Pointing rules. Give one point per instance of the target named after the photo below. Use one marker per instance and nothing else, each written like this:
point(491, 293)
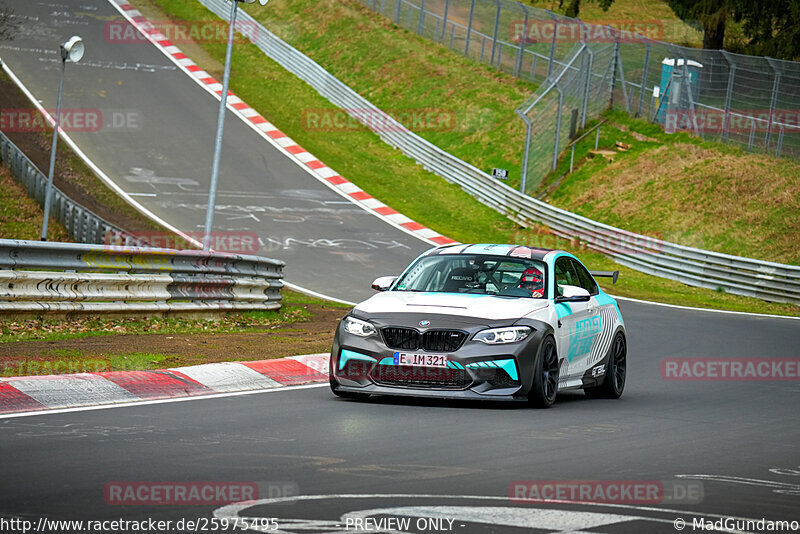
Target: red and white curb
point(51, 392)
point(277, 138)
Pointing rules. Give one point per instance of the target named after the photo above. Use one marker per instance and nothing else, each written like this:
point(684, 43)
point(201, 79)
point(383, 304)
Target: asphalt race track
point(737, 441)
point(157, 144)
point(733, 445)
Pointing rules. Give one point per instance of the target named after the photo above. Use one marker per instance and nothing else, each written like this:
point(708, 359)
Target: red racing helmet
point(532, 279)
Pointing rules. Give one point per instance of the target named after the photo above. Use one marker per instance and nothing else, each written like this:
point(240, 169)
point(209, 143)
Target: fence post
point(687, 83)
point(553, 44)
point(444, 19)
point(621, 69)
point(588, 74)
point(521, 48)
point(496, 28)
point(525, 153)
point(773, 101)
point(780, 142)
point(397, 4)
point(558, 126)
point(421, 25)
point(643, 89)
point(729, 92)
point(469, 26)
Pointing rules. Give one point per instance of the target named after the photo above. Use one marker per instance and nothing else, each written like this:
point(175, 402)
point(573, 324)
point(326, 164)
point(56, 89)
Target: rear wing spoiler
point(606, 274)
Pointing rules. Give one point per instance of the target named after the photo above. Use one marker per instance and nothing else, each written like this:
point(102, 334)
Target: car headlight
point(357, 327)
point(498, 336)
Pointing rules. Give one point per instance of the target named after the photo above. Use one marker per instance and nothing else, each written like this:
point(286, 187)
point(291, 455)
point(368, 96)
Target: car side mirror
point(572, 294)
point(383, 283)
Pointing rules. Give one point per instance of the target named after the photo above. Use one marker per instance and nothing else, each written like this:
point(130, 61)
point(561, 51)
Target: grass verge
point(683, 189)
point(90, 344)
point(20, 215)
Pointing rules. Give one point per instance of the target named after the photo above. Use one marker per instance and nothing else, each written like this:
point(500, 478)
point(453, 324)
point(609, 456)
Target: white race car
point(502, 322)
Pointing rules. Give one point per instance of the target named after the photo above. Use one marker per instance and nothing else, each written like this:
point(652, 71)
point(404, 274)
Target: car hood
point(480, 306)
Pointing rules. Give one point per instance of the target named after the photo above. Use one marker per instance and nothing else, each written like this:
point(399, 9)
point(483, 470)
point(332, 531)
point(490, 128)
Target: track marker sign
point(500, 174)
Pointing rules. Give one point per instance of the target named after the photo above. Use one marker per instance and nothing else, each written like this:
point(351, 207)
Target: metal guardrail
point(83, 225)
point(738, 275)
point(37, 276)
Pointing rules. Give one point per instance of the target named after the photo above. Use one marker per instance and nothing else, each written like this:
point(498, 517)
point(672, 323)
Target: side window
point(585, 279)
point(565, 273)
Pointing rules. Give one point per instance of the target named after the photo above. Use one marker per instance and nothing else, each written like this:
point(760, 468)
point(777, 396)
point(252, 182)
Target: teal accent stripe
point(563, 310)
point(605, 300)
point(348, 355)
point(458, 365)
point(509, 366)
point(387, 361)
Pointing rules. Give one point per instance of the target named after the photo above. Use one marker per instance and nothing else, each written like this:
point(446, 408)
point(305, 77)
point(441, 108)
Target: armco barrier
point(741, 276)
point(83, 225)
point(44, 277)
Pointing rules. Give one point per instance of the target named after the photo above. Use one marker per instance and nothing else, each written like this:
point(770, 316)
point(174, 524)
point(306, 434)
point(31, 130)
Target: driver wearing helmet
point(533, 281)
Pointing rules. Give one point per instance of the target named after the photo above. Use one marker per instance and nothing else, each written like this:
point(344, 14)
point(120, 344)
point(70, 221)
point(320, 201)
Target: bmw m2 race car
point(499, 322)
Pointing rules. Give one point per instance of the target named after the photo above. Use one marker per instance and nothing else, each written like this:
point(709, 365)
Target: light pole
point(71, 50)
point(212, 188)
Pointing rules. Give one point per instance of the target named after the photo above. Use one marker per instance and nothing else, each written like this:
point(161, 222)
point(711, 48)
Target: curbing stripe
point(287, 371)
point(227, 376)
point(42, 393)
point(13, 400)
point(156, 384)
point(314, 166)
point(80, 389)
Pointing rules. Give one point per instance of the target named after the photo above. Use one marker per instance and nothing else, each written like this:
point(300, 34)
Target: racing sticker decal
point(581, 338)
point(603, 341)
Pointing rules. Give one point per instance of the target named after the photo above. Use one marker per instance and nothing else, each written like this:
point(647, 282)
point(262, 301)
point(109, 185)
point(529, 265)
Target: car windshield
point(475, 274)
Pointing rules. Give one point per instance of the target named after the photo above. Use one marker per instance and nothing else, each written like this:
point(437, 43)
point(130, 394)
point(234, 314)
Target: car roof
point(517, 251)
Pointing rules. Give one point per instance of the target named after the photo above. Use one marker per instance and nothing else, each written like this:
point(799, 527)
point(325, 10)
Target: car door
point(575, 330)
point(605, 318)
point(593, 326)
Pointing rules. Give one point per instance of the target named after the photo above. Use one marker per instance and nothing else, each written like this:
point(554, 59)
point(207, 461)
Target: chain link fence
point(749, 101)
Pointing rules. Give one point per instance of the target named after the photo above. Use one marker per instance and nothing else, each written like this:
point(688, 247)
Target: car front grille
point(421, 377)
point(433, 340)
point(443, 340)
point(401, 338)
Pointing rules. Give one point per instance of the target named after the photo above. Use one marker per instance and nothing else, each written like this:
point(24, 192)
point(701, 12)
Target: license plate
point(420, 360)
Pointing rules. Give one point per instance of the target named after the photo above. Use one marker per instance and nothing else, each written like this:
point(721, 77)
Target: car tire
point(544, 385)
point(346, 394)
point(616, 371)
